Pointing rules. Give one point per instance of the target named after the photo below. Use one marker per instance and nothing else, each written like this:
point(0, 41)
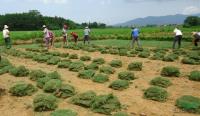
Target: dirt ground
point(131, 98)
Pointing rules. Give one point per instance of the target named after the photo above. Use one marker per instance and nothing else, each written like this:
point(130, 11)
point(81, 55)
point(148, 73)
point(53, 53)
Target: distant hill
point(157, 20)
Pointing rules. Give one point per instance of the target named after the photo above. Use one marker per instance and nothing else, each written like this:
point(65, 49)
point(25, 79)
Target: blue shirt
point(135, 32)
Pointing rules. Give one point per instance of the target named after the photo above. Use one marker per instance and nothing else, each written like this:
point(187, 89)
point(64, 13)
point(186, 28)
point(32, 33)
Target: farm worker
point(51, 36)
point(178, 37)
point(86, 35)
point(196, 36)
point(64, 32)
point(75, 37)
point(6, 36)
point(46, 36)
point(135, 37)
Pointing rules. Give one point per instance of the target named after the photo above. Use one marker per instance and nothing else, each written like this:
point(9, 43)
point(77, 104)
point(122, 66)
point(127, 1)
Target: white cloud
point(191, 10)
point(104, 2)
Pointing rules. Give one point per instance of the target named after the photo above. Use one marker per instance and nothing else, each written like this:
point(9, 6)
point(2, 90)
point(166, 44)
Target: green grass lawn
point(144, 43)
point(126, 43)
point(148, 33)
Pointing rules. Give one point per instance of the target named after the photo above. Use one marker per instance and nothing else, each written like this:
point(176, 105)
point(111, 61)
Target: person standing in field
point(178, 38)
point(64, 32)
point(135, 37)
point(6, 36)
point(46, 36)
point(196, 36)
point(51, 38)
point(86, 35)
point(75, 37)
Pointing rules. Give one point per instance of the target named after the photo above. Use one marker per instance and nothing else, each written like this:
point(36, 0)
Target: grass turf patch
point(52, 85)
point(22, 89)
point(161, 82)
point(36, 74)
point(156, 93)
point(85, 58)
point(99, 61)
point(120, 114)
point(86, 74)
point(92, 66)
point(105, 104)
point(63, 64)
point(44, 102)
point(63, 112)
point(119, 84)
point(195, 76)
point(170, 71)
point(107, 70)
point(144, 54)
point(170, 58)
point(135, 66)
point(76, 66)
point(84, 99)
point(126, 75)
point(116, 63)
point(65, 91)
point(100, 78)
point(189, 103)
point(20, 71)
point(73, 56)
point(53, 61)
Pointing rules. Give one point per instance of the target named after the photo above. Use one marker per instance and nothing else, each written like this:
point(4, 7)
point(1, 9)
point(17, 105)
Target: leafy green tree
point(192, 21)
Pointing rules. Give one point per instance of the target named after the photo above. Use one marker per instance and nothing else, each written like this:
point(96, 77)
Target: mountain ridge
point(157, 20)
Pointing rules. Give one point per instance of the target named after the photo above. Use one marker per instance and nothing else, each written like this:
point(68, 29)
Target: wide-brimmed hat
point(86, 27)
point(5, 26)
point(44, 26)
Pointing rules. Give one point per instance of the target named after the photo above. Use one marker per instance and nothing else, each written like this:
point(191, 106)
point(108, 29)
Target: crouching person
point(196, 36)
point(75, 37)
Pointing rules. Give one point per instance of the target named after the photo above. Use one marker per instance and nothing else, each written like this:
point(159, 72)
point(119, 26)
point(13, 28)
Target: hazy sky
point(107, 11)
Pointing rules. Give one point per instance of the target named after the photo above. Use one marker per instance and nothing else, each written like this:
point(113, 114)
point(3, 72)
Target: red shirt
point(74, 35)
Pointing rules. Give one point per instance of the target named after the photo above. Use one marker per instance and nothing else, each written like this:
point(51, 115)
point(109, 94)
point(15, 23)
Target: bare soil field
point(132, 98)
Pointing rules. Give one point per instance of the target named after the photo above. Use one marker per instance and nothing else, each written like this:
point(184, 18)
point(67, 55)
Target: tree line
point(33, 20)
point(192, 21)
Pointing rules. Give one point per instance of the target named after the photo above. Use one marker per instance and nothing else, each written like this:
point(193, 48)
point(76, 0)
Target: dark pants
point(75, 40)
point(135, 39)
point(177, 39)
point(8, 42)
point(47, 41)
point(87, 38)
point(196, 40)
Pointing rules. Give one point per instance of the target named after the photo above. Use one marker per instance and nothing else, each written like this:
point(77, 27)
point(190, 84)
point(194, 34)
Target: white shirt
point(198, 33)
point(64, 32)
point(6, 33)
point(177, 32)
point(86, 31)
point(46, 33)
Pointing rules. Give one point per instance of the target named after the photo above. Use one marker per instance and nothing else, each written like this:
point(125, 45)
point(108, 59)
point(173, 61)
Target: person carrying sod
point(75, 37)
point(6, 36)
point(46, 36)
point(196, 36)
point(178, 37)
point(86, 35)
point(135, 37)
point(64, 32)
